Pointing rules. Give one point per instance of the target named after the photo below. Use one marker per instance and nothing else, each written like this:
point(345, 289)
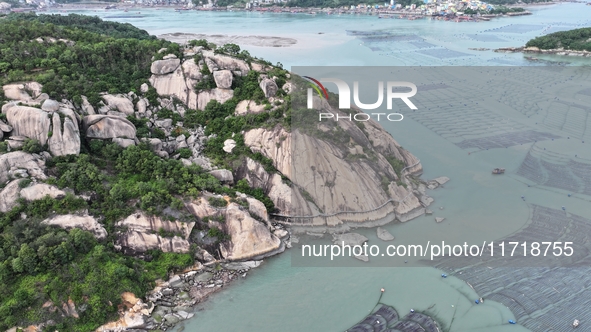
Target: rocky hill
point(192, 168)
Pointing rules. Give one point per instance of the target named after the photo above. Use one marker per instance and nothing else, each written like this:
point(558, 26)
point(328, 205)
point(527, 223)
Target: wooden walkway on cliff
point(344, 215)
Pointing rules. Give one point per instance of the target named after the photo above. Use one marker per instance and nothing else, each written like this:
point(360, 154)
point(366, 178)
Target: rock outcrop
point(221, 95)
point(119, 103)
point(223, 79)
point(9, 196)
point(21, 161)
point(40, 190)
point(269, 87)
point(65, 139)
point(85, 222)
point(134, 242)
point(249, 237)
point(248, 107)
point(108, 126)
point(140, 222)
point(28, 121)
point(163, 67)
point(28, 93)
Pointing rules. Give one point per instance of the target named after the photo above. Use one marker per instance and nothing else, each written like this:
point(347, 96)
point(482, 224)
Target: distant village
point(468, 9)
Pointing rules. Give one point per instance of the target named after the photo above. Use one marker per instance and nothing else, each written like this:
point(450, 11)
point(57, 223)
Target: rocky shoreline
point(536, 50)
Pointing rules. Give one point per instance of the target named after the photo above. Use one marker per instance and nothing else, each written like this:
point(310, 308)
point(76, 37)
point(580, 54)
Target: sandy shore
point(262, 41)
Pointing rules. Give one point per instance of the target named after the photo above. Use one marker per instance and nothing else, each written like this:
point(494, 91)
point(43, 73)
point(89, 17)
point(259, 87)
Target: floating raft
point(384, 318)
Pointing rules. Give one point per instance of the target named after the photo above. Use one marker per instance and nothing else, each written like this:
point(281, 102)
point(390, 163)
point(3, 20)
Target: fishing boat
point(498, 171)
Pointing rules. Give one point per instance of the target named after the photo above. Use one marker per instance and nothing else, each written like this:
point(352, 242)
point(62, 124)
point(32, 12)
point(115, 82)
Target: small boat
point(512, 321)
point(498, 171)
point(576, 323)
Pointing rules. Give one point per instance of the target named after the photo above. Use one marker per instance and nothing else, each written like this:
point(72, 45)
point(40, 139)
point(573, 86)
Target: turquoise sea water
point(279, 297)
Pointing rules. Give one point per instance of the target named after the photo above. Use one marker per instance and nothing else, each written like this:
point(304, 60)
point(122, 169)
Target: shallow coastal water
point(279, 297)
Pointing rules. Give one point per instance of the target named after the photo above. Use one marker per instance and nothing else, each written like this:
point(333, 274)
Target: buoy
point(443, 275)
point(476, 301)
point(412, 311)
point(383, 290)
point(568, 195)
point(512, 321)
point(563, 208)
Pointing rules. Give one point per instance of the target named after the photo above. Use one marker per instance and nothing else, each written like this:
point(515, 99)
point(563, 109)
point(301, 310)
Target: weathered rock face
point(279, 192)
point(9, 196)
point(223, 175)
point(248, 107)
point(28, 93)
point(66, 136)
point(137, 242)
point(269, 87)
point(107, 126)
point(4, 127)
point(5, 6)
point(257, 208)
point(223, 79)
point(175, 84)
point(134, 317)
point(85, 222)
point(140, 222)
point(221, 95)
point(162, 67)
point(119, 103)
point(274, 144)
point(40, 190)
point(250, 238)
point(18, 160)
point(229, 145)
point(221, 62)
point(50, 105)
point(28, 121)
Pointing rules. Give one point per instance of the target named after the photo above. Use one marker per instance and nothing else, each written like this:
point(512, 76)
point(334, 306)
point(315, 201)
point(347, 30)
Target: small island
point(575, 42)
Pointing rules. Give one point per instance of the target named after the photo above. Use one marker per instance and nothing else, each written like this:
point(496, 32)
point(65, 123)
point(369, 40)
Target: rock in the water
point(108, 126)
point(441, 180)
point(384, 235)
point(249, 237)
point(428, 212)
point(39, 190)
point(439, 219)
point(9, 196)
point(19, 160)
point(50, 105)
point(269, 87)
point(223, 79)
point(349, 239)
point(162, 67)
point(84, 222)
point(223, 175)
point(229, 145)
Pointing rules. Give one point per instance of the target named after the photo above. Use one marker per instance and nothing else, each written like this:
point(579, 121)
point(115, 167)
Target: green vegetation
point(95, 56)
point(577, 39)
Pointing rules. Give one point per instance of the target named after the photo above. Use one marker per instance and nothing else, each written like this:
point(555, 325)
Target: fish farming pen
point(548, 296)
point(551, 169)
point(384, 318)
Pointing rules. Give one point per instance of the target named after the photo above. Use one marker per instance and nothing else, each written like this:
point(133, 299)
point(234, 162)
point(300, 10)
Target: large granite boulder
point(139, 242)
point(225, 62)
point(249, 237)
point(176, 84)
point(18, 160)
point(120, 103)
point(162, 67)
point(65, 139)
point(221, 95)
point(9, 196)
point(4, 127)
point(108, 127)
point(50, 105)
point(248, 107)
point(224, 175)
point(141, 222)
point(223, 79)
point(40, 190)
point(28, 121)
point(85, 222)
point(28, 92)
point(269, 87)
